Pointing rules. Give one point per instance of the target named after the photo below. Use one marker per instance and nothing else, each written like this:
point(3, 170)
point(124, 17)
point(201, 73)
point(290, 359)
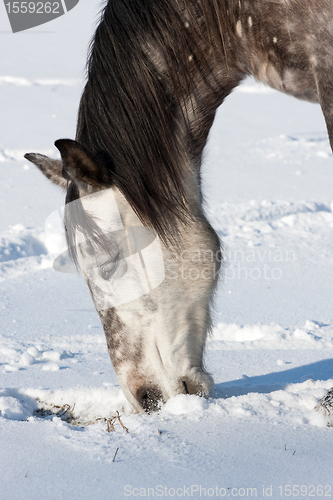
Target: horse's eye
point(108, 269)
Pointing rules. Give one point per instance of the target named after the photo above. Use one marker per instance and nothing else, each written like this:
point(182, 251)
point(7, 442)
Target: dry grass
point(113, 420)
point(66, 413)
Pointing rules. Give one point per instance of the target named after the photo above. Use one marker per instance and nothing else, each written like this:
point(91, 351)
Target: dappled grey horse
point(157, 72)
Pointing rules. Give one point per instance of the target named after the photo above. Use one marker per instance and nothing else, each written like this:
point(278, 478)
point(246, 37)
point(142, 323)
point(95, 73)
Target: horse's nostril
point(185, 387)
point(150, 398)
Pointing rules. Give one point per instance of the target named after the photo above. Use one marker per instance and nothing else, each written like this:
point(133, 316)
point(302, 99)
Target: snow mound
point(23, 250)
point(185, 404)
point(13, 409)
point(85, 405)
point(20, 242)
point(232, 336)
point(296, 404)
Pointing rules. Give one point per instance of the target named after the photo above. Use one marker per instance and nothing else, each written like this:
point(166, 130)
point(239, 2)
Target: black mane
point(143, 70)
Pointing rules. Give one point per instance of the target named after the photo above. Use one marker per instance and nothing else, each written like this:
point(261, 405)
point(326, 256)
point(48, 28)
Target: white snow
point(268, 185)
point(24, 82)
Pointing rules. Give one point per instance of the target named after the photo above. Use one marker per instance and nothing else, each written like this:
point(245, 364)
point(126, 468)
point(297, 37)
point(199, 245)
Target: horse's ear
point(80, 165)
point(52, 169)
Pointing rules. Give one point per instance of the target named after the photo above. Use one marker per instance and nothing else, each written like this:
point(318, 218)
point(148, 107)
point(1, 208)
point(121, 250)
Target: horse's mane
point(133, 109)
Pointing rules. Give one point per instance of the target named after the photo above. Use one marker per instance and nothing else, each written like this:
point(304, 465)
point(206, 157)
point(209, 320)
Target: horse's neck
point(215, 68)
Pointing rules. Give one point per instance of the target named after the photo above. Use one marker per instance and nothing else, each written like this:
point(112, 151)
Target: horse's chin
point(147, 396)
point(198, 382)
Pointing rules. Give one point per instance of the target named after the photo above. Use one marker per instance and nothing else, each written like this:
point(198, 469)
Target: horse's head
point(152, 298)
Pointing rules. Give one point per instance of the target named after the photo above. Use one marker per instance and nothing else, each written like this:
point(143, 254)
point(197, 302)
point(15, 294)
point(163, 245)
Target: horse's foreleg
point(324, 80)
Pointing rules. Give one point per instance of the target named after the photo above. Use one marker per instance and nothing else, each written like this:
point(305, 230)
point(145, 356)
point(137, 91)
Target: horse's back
point(286, 42)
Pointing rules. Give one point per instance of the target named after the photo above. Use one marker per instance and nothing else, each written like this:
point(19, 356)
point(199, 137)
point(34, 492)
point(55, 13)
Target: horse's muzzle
point(149, 398)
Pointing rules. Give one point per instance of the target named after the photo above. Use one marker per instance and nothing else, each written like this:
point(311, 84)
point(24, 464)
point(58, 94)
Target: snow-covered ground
point(268, 183)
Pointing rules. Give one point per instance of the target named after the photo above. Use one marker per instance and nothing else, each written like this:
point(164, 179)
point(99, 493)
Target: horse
point(157, 71)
